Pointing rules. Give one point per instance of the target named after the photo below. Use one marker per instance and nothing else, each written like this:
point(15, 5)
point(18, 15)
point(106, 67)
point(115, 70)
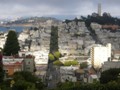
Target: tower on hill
point(99, 9)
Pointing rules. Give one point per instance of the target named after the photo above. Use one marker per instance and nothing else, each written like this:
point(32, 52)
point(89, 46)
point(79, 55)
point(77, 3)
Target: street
point(53, 76)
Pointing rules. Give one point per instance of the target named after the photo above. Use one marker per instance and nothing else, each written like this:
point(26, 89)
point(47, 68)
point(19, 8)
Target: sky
point(56, 8)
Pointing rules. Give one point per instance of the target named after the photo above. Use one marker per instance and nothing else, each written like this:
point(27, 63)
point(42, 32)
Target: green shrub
point(83, 65)
point(51, 57)
point(58, 63)
point(69, 63)
point(57, 54)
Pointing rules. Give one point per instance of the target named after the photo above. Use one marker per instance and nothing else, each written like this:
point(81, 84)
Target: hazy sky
point(16, 8)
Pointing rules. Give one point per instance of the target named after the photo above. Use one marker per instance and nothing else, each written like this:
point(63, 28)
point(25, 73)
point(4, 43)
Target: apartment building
point(100, 54)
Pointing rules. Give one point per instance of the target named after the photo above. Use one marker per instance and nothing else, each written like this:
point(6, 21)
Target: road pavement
point(53, 76)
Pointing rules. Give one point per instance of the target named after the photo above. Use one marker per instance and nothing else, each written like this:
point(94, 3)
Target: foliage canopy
point(11, 45)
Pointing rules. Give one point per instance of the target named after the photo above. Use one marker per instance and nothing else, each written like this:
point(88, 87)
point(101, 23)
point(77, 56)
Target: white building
point(41, 57)
point(10, 60)
point(3, 37)
point(23, 36)
point(93, 78)
point(95, 26)
point(68, 73)
point(100, 54)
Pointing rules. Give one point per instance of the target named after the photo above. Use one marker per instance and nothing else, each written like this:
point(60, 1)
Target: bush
point(83, 65)
point(23, 81)
point(57, 54)
point(69, 63)
point(58, 63)
point(94, 86)
point(51, 57)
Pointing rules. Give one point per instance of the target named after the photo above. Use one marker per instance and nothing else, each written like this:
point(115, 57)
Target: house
point(110, 64)
point(41, 57)
point(79, 73)
point(12, 64)
point(92, 78)
point(29, 63)
point(67, 73)
point(82, 59)
point(37, 64)
point(116, 54)
point(10, 69)
point(90, 75)
point(95, 26)
point(68, 78)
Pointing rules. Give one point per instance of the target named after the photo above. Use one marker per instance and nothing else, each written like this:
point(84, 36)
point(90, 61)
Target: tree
point(109, 75)
point(83, 65)
point(1, 74)
point(1, 69)
point(11, 45)
point(23, 85)
point(27, 81)
point(54, 39)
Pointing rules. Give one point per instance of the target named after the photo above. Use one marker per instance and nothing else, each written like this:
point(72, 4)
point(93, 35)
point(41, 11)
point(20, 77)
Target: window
point(28, 62)
point(28, 68)
point(6, 71)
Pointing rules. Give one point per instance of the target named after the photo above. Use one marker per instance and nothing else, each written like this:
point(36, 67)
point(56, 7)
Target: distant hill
point(33, 20)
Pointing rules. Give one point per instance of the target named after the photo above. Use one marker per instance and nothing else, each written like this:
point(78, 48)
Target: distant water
point(17, 28)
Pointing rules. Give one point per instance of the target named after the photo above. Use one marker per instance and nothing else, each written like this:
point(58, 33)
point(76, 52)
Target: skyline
point(56, 8)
